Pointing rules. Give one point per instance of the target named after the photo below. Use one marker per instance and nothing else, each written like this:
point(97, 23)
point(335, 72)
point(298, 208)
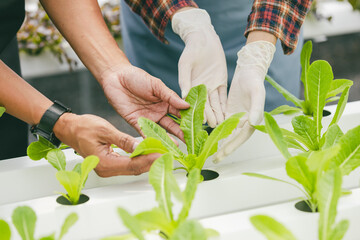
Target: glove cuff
point(189, 21)
point(259, 53)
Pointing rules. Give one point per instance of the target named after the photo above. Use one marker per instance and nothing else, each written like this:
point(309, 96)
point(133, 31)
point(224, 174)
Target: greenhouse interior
point(180, 120)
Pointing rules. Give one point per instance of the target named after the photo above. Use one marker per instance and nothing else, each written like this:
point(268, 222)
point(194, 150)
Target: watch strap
point(48, 120)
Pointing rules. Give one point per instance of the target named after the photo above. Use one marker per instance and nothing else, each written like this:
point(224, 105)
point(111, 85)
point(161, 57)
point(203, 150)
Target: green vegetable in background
point(272, 229)
point(307, 133)
point(329, 192)
point(200, 145)
point(73, 181)
point(4, 230)
point(24, 219)
point(319, 88)
point(2, 110)
point(340, 151)
point(162, 218)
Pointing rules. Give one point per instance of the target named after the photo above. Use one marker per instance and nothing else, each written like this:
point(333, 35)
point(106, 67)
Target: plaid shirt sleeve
point(283, 18)
point(156, 13)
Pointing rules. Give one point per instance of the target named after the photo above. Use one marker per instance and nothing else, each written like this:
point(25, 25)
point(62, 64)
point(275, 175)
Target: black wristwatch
point(47, 122)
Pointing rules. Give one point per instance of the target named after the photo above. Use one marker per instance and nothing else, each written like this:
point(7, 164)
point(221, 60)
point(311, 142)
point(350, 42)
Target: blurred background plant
point(355, 4)
point(38, 33)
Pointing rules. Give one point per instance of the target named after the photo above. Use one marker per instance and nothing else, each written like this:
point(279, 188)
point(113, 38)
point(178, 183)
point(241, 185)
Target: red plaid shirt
point(283, 18)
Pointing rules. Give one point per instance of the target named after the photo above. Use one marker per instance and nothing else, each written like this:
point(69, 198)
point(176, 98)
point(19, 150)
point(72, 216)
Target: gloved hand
point(247, 93)
point(202, 61)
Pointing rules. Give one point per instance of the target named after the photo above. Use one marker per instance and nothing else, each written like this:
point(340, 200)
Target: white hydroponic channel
point(224, 204)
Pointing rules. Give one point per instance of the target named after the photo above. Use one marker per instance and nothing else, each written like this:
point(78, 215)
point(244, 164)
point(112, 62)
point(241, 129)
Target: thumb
point(123, 141)
point(257, 107)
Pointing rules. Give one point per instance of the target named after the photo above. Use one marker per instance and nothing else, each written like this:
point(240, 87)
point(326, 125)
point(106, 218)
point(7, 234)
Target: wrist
point(64, 125)
point(255, 36)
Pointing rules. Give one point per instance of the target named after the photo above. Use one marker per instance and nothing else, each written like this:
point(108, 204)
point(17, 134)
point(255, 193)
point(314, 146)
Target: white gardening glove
point(202, 61)
point(247, 93)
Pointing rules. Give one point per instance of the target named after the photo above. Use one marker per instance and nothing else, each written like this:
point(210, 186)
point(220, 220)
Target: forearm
point(19, 98)
point(82, 24)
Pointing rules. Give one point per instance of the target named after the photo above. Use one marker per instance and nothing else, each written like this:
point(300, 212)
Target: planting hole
point(209, 174)
point(63, 201)
point(326, 113)
point(303, 206)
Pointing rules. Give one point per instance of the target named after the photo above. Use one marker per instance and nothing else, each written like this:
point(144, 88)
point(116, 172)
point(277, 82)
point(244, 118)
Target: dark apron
point(229, 18)
point(13, 132)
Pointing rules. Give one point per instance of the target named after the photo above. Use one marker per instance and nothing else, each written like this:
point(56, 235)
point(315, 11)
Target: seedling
point(2, 110)
point(319, 87)
point(340, 150)
point(24, 220)
point(328, 195)
point(162, 219)
point(73, 181)
point(199, 144)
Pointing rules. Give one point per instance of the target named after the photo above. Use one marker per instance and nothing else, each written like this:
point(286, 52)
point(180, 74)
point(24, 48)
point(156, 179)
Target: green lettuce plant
point(199, 144)
point(329, 193)
point(24, 220)
point(73, 181)
point(319, 87)
point(339, 151)
point(162, 219)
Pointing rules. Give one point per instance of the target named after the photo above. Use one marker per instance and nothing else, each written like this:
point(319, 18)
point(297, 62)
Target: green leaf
point(77, 168)
point(2, 110)
point(276, 135)
point(318, 161)
point(319, 79)
point(193, 117)
point(332, 136)
point(149, 145)
point(328, 193)
point(38, 150)
point(332, 99)
point(297, 169)
point(305, 127)
point(131, 223)
point(211, 233)
point(272, 229)
point(257, 175)
point(151, 129)
point(189, 194)
point(57, 159)
point(189, 230)
point(164, 183)
point(338, 86)
point(291, 143)
point(305, 64)
point(24, 219)
point(285, 109)
point(87, 166)
point(71, 182)
point(155, 219)
point(200, 141)
point(339, 231)
point(68, 223)
point(340, 106)
point(174, 118)
point(287, 95)
point(348, 158)
point(50, 237)
point(4, 229)
point(220, 132)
